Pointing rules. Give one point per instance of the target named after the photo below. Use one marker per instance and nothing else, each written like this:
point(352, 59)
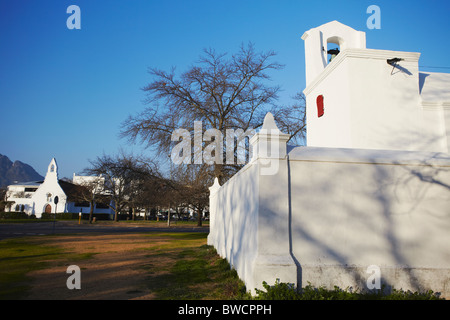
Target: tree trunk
point(199, 217)
point(168, 217)
point(91, 211)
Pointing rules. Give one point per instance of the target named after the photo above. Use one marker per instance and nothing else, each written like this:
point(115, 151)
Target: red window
point(320, 109)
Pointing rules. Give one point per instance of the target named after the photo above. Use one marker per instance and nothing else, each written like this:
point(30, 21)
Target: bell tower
point(317, 41)
point(364, 98)
point(52, 171)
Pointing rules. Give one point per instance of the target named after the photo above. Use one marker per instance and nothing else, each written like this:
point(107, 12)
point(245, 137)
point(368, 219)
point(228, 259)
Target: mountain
point(17, 171)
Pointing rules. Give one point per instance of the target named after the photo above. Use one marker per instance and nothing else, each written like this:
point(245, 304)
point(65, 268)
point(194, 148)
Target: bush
point(60, 215)
point(288, 291)
point(13, 215)
point(279, 291)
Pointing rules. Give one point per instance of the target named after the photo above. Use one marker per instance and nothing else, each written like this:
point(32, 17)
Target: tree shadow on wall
point(387, 185)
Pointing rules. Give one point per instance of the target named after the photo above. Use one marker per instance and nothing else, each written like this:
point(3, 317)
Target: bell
point(333, 53)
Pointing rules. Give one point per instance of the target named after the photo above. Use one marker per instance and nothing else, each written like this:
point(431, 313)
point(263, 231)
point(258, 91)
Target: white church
point(370, 191)
point(38, 197)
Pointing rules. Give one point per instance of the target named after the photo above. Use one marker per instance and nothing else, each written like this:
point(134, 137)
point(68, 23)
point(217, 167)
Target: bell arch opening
point(334, 46)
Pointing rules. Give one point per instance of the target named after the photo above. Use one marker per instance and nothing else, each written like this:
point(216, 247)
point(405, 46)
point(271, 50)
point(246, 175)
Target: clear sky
point(64, 93)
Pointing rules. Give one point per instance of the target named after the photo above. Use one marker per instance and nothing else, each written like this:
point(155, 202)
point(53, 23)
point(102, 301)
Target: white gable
point(372, 99)
point(48, 190)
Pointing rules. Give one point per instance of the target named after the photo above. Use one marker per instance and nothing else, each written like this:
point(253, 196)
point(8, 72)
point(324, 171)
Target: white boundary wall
point(328, 214)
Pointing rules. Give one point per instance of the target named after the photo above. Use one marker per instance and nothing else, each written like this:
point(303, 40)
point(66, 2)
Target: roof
point(434, 87)
point(72, 191)
point(28, 184)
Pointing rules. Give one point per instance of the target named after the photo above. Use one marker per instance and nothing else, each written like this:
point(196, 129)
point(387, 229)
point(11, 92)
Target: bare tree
point(90, 190)
point(191, 185)
point(124, 175)
point(223, 92)
point(292, 119)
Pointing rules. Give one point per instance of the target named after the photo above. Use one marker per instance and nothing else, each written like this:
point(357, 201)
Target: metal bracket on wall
point(393, 63)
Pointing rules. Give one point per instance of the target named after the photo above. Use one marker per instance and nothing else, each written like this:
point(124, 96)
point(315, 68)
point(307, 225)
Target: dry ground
point(117, 268)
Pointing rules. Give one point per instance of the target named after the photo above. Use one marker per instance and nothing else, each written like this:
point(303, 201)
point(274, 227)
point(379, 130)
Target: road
point(11, 230)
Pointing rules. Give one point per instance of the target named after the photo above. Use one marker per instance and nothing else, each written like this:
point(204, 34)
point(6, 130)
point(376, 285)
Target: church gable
point(44, 197)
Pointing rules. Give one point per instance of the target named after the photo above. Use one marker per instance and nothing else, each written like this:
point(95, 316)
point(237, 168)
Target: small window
point(320, 107)
point(52, 168)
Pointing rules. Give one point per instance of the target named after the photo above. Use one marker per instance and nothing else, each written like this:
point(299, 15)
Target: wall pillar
point(274, 260)
point(213, 211)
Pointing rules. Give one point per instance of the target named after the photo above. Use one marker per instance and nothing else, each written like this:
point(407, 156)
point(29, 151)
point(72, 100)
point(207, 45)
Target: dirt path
point(116, 268)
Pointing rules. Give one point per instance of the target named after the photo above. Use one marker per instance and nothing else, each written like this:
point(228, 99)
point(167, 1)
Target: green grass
point(17, 258)
point(197, 273)
point(192, 270)
point(20, 256)
point(179, 266)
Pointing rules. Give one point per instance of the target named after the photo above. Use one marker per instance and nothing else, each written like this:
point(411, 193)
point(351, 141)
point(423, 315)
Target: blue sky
point(64, 93)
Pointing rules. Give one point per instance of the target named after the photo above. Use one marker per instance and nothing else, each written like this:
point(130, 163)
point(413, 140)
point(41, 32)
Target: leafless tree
point(124, 175)
point(191, 187)
point(90, 190)
point(223, 92)
point(292, 119)
point(3, 203)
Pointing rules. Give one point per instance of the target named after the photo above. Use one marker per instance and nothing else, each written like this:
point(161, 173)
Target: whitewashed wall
point(349, 200)
point(352, 208)
point(327, 214)
point(233, 226)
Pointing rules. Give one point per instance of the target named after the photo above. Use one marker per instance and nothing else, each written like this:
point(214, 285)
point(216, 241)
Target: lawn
point(17, 258)
point(192, 270)
point(165, 266)
point(150, 266)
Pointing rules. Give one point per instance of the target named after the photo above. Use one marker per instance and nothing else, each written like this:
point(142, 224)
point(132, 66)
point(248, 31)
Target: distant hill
point(17, 171)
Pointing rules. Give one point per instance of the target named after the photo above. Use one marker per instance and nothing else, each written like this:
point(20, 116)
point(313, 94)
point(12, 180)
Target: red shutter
point(320, 109)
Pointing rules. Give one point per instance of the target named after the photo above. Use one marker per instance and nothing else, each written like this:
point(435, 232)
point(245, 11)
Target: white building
point(372, 99)
point(37, 197)
point(370, 191)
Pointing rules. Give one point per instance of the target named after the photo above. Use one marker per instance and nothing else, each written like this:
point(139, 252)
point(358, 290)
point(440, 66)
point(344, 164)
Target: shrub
point(13, 215)
point(279, 291)
point(288, 291)
point(59, 215)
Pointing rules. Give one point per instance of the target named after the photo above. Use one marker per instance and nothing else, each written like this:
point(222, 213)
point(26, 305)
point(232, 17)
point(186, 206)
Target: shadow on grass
point(195, 273)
